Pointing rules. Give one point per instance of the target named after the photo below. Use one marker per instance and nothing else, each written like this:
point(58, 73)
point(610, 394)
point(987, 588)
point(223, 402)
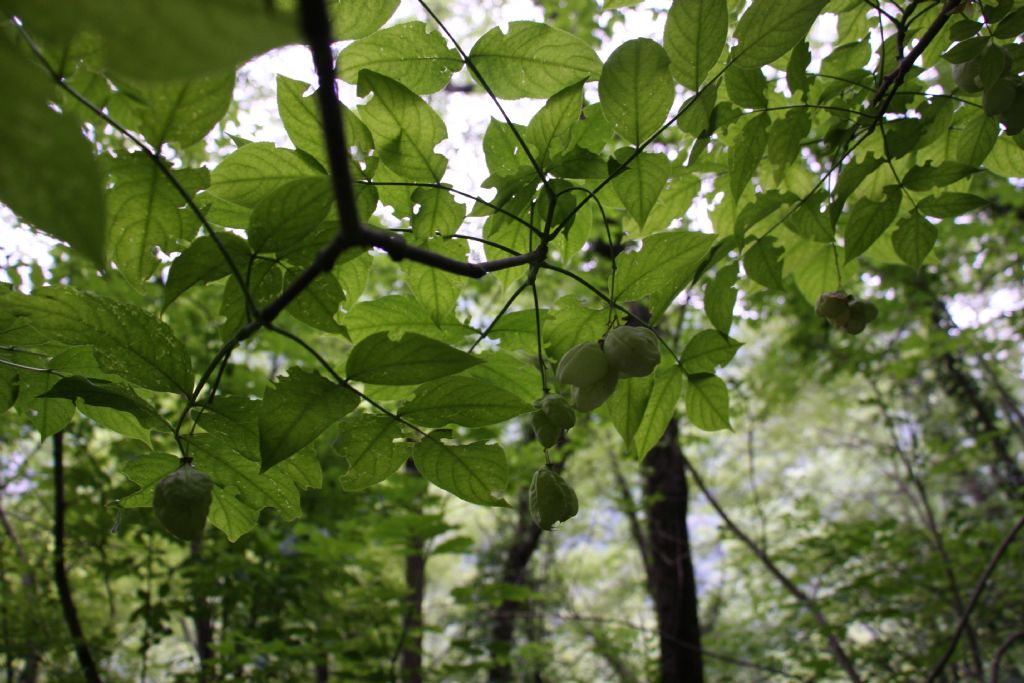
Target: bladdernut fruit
point(181, 501)
point(633, 351)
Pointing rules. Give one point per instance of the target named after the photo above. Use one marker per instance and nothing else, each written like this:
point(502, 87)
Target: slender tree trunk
point(415, 582)
point(671, 579)
point(525, 540)
point(323, 672)
point(85, 659)
point(202, 620)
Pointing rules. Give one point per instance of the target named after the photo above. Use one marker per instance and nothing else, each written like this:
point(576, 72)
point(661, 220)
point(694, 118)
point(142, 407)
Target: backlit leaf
point(296, 410)
point(694, 38)
point(412, 359)
point(532, 60)
point(477, 472)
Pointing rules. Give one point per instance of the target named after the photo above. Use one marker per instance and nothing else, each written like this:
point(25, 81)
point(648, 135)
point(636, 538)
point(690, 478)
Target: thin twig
point(973, 602)
point(1001, 652)
point(807, 601)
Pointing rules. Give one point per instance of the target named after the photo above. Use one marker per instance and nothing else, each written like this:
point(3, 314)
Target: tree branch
point(807, 601)
point(887, 88)
point(1014, 637)
point(973, 602)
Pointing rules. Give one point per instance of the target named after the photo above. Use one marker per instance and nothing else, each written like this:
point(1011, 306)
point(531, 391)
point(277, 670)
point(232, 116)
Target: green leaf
point(746, 88)
point(126, 340)
point(921, 178)
point(641, 407)
point(438, 212)
point(673, 203)
point(694, 38)
point(255, 488)
point(813, 266)
point(708, 350)
point(289, 214)
point(405, 128)
point(230, 515)
point(437, 290)
point(203, 262)
point(771, 28)
point(165, 40)
point(659, 271)
point(763, 263)
point(707, 403)
point(720, 298)
point(572, 324)
point(412, 359)
point(301, 118)
point(509, 372)
point(359, 18)
point(145, 471)
point(763, 205)
point(636, 89)
point(369, 443)
point(146, 211)
point(101, 394)
point(850, 178)
point(264, 282)
point(796, 68)
point(8, 388)
point(47, 415)
point(296, 410)
point(868, 220)
point(532, 60)
point(181, 112)
point(409, 53)
point(1006, 158)
point(810, 223)
point(476, 472)
point(463, 401)
point(914, 239)
point(976, 140)
point(319, 302)
point(399, 314)
point(950, 204)
point(517, 330)
point(49, 176)
point(746, 153)
point(251, 173)
point(235, 420)
point(548, 131)
point(641, 182)
point(785, 138)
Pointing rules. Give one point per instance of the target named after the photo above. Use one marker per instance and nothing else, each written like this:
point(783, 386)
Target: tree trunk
point(202, 619)
point(670, 579)
point(415, 582)
point(963, 388)
point(525, 540)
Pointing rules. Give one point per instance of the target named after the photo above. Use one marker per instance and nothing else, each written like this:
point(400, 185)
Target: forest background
point(323, 309)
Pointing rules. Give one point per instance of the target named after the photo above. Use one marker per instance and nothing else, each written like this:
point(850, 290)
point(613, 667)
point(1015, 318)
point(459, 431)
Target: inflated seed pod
point(581, 365)
point(181, 501)
point(633, 351)
point(552, 500)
